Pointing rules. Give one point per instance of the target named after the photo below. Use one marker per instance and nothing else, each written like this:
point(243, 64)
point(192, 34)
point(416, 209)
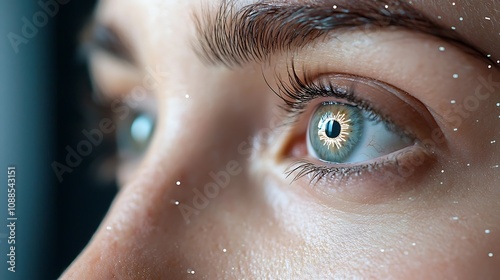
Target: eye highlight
point(334, 131)
point(344, 133)
point(342, 126)
point(134, 134)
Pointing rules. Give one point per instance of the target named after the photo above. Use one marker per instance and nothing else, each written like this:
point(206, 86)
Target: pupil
point(332, 129)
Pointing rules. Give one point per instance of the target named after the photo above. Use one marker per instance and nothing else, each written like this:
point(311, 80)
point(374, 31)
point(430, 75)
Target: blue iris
point(335, 130)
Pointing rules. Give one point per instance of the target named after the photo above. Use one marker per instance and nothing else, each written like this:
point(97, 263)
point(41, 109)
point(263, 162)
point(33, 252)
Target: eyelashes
point(298, 92)
point(348, 134)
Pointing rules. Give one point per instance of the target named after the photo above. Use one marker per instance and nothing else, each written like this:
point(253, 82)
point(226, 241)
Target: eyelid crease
point(339, 173)
point(298, 93)
point(233, 37)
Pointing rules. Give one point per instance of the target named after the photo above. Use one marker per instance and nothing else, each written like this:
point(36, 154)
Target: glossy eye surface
point(335, 130)
point(343, 133)
point(134, 134)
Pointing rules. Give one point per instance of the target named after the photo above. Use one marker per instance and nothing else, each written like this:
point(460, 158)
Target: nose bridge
point(195, 153)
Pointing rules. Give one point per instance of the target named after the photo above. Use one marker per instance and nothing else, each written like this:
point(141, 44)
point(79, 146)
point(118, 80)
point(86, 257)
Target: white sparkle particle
point(498, 61)
point(382, 250)
point(224, 250)
point(187, 95)
point(487, 231)
point(439, 17)
point(411, 198)
point(386, 6)
point(178, 183)
point(453, 101)
point(442, 49)
point(440, 183)
point(176, 202)
point(455, 76)
point(190, 271)
point(455, 129)
point(461, 19)
point(442, 171)
point(495, 166)
point(413, 244)
point(488, 55)
point(498, 104)
point(489, 66)
point(109, 228)
point(490, 255)
point(453, 4)
point(493, 141)
point(453, 28)
point(454, 218)
point(487, 18)
point(334, 7)
point(468, 164)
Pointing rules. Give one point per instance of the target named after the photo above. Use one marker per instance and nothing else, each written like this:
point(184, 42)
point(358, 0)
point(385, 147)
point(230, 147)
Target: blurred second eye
point(134, 134)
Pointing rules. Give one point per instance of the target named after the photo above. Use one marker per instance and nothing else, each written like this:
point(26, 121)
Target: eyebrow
point(232, 36)
point(97, 36)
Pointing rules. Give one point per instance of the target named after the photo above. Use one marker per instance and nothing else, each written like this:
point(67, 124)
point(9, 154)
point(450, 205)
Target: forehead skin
point(475, 28)
point(149, 237)
point(155, 17)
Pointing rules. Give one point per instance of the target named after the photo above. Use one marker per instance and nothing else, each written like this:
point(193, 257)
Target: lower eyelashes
point(344, 126)
point(335, 130)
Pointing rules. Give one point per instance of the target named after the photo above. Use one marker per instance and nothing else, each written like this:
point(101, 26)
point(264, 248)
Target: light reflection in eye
point(142, 128)
point(344, 133)
point(134, 134)
point(335, 131)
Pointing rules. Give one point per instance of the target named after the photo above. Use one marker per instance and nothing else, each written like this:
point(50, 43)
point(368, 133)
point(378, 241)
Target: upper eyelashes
point(355, 124)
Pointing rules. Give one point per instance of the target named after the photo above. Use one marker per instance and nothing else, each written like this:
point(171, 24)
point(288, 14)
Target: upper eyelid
point(316, 86)
point(96, 35)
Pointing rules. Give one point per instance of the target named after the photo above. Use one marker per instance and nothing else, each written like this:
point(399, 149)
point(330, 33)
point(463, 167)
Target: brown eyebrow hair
point(234, 36)
point(96, 35)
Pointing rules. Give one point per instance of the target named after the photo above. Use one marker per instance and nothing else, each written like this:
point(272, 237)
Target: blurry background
point(44, 106)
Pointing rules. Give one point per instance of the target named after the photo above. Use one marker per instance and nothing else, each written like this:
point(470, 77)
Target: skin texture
point(441, 221)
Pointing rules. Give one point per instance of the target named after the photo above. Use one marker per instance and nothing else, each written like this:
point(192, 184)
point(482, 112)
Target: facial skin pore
point(220, 123)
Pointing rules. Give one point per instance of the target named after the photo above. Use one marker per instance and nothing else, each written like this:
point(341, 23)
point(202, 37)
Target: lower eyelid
point(373, 181)
point(385, 176)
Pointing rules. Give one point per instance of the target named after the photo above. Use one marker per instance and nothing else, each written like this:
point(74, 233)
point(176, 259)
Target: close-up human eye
point(348, 124)
point(251, 139)
point(343, 133)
